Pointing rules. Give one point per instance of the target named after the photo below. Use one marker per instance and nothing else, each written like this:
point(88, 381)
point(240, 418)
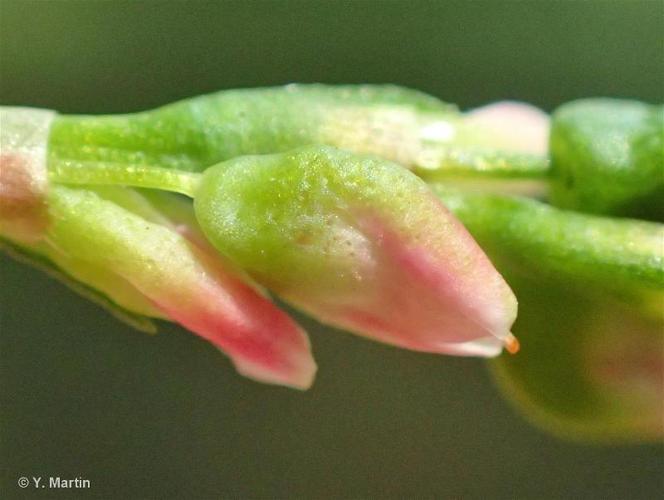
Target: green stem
point(106, 173)
point(485, 163)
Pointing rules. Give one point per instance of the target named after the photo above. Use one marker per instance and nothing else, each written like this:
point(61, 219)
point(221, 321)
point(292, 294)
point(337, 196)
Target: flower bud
point(23, 178)
point(591, 322)
point(360, 243)
point(510, 126)
point(608, 158)
point(183, 281)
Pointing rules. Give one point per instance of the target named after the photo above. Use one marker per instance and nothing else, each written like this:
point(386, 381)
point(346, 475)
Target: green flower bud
point(591, 326)
point(608, 158)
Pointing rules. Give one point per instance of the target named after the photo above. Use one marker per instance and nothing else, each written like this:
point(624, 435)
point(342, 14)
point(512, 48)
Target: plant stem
point(484, 163)
point(106, 173)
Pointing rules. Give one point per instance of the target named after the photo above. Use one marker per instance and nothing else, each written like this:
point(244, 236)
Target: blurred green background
point(82, 395)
